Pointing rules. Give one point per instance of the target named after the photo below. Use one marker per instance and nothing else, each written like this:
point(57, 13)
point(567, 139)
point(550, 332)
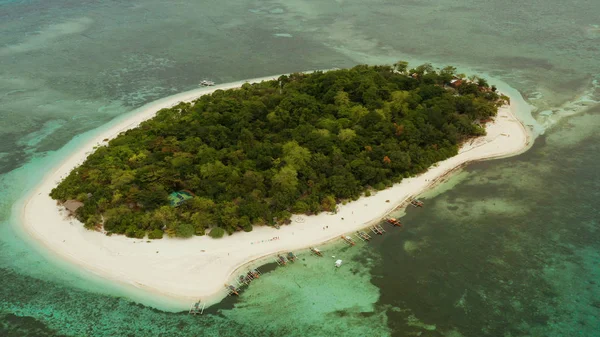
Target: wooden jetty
point(291, 257)
point(394, 222)
point(348, 240)
point(363, 236)
point(316, 251)
point(232, 290)
point(416, 203)
point(197, 308)
point(378, 230)
point(281, 260)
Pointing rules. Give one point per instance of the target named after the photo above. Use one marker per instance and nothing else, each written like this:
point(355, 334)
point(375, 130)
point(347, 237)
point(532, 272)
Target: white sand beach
point(189, 269)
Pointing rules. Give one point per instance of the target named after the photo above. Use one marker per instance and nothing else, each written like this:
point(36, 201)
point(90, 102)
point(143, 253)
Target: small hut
point(72, 205)
point(455, 83)
point(179, 197)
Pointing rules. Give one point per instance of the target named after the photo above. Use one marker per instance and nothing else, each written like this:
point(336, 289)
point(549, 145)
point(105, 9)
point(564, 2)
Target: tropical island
point(260, 153)
point(177, 272)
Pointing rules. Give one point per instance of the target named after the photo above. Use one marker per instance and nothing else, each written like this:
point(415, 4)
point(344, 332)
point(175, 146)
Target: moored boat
point(363, 235)
point(207, 83)
point(377, 230)
point(348, 240)
point(232, 289)
point(291, 257)
point(197, 309)
point(416, 203)
point(394, 221)
point(243, 279)
point(316, 251)
point(254, 273)
point(281, 260)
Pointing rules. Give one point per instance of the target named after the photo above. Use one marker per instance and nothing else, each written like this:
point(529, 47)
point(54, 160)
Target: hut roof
point(179, 197)
point(456, 83)
point(72, 205)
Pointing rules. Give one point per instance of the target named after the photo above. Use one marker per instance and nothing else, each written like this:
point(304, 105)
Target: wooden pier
point(197, 308)
point(348, 240)
point(363, 236)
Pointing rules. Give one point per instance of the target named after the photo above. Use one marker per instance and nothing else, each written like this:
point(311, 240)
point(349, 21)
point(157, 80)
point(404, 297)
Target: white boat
point(316, 251)
point(206, 83)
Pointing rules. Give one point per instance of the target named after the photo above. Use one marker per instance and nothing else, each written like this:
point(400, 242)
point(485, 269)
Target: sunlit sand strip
point(187, 269)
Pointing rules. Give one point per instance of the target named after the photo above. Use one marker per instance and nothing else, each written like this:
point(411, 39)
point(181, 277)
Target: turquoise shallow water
point(506, 248)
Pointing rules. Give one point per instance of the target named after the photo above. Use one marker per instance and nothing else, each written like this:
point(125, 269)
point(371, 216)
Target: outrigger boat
point(377, 230)
point(394, 222)
point(291, 257)
point(196, 309)
point(281, 260)
point(416, 203)
point(254, 273)
point(232, 290)
point(316, 251)
point(207, 83)
point(363, 235)
point(348, 240)
point(244, 280)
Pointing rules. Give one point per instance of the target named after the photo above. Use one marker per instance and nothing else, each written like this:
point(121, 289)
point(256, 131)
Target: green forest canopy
point(257, 154)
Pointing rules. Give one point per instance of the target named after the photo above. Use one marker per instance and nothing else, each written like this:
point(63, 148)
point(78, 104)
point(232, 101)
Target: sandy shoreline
point(185, 270)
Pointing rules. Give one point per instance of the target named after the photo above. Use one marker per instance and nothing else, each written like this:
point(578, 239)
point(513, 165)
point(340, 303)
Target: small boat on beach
point(232, 290)
point(245, 279)
point(291, 257)
point(416, 203)
point(348, 240)
point(254, 273)
point(316, 251)
point(197, 309)
point(394, 222)
point(281, 260)
point(378, 230)
point(363, 235)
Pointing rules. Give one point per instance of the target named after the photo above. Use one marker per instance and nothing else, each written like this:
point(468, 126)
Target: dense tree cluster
point(257, 154)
